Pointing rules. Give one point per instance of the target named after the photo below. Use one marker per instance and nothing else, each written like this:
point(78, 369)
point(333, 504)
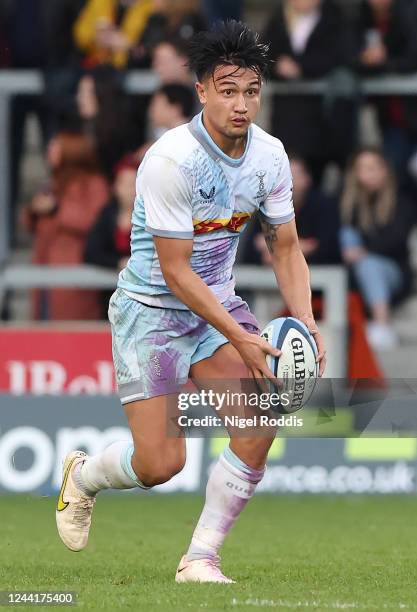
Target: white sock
point(230, 486)
point(110, 469)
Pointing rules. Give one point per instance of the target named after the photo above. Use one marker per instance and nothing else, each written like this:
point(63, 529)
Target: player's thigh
point(225, 371)
point(159, 444)
point(225, 363)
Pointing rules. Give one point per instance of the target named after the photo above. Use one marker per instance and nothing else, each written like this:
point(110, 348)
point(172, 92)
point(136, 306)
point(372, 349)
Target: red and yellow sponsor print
point(235, 224)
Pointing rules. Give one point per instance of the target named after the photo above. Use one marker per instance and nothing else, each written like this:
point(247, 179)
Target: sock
point(110, 469)
point(229, 488)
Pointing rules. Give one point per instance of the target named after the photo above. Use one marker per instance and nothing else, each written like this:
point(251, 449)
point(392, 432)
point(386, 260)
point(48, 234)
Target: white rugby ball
point(296, 368)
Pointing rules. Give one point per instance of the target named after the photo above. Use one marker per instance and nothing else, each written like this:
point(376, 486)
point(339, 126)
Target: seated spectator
point(106, 30)
point(307, 41)
point(170, 62)
point(376, 222)
point(317, 219)
point(171, 19)
point(108, 244)
point(170, 106)
point(105, 114)
point(386, 38)
point(60, 217)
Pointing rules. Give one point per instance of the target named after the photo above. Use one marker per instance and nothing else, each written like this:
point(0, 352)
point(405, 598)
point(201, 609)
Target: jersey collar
point(200, 133)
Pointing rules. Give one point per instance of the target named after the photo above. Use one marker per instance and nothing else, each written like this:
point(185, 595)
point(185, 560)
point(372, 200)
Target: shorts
point(154, 348)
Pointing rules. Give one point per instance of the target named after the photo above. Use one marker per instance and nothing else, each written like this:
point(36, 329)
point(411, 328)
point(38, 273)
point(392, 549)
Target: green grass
point(303, 553)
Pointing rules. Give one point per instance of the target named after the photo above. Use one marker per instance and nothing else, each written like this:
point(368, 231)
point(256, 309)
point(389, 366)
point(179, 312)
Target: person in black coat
point(386, 42)
point(308, 40)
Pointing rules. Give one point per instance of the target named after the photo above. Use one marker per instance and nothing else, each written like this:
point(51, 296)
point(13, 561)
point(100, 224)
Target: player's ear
point(201, 92)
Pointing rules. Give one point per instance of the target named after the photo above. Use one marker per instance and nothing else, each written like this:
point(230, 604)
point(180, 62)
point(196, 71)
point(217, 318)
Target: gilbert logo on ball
point(296, 368)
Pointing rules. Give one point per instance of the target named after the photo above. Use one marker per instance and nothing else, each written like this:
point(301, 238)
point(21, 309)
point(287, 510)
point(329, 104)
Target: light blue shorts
point(154, 348)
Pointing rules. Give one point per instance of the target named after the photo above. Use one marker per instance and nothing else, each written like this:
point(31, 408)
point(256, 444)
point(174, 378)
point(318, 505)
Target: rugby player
point(175, 314)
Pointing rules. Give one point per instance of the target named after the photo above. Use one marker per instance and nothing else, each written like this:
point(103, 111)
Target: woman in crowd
point(386, 41)
point(308, 41)
point(108, 243)
point(60, 217)
point(105, 115)
point(376, 222)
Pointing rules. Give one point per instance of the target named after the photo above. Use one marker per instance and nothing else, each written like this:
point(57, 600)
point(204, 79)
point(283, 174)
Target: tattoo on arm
point(271, 234)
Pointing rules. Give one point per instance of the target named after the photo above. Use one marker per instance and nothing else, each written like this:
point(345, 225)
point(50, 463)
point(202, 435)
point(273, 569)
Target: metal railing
point(13, 82)
point(260, 281)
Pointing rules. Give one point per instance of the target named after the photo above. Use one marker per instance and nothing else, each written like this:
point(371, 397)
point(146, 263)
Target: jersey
point(188, 188)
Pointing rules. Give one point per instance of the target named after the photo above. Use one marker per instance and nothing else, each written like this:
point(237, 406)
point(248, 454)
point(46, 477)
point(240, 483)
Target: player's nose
point(240, 106)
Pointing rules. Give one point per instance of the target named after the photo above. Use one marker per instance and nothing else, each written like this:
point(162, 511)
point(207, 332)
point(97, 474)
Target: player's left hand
point(321, 358)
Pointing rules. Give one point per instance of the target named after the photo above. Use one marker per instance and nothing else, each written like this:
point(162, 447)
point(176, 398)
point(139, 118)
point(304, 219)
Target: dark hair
point(229, 42)
point(78, 160)
point(179, 45)
point(181, 95)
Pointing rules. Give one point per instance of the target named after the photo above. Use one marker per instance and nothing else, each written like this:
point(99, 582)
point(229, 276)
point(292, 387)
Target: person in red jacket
point(60, 217)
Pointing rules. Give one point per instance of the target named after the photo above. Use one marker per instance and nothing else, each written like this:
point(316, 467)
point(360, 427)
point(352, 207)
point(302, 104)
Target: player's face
point(231, 99)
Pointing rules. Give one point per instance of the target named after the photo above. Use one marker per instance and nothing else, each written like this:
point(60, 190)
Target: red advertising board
point(56, 361)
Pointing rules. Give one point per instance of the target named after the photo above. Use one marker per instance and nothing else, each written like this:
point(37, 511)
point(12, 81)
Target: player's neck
point(233, 147)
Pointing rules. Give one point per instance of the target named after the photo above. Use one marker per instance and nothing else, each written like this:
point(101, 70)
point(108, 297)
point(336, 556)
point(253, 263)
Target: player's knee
point(161, 470)
point(253, 451)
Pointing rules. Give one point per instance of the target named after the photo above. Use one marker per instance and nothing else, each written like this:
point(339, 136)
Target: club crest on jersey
point(208, 197)
point(261, 193)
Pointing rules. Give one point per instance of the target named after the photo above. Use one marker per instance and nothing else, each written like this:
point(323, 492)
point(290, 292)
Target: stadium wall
point(57, 393)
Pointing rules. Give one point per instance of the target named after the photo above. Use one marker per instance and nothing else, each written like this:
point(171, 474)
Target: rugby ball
point(296, 368)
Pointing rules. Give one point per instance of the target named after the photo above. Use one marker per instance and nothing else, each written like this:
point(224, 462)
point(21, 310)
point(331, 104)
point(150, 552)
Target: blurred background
point(86, 86)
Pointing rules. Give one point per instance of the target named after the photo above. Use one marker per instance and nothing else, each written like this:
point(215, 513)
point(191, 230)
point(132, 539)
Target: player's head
point(230, 63)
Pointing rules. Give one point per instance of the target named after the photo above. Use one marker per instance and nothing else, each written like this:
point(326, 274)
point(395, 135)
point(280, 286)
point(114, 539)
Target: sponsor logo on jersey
point(208, 197)
point(235, 224)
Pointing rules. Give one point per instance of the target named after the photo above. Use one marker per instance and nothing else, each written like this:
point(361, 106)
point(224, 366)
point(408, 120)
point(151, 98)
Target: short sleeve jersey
point(188, 188)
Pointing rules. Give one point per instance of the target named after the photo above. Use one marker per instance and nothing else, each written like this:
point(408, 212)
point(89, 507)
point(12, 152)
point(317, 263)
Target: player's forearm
point(293, 277)
point(192, 291)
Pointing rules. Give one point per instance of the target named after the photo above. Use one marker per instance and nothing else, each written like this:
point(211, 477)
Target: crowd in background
point(96, 135)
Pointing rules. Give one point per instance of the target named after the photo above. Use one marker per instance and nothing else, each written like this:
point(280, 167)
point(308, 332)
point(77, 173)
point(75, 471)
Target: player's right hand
point(253, 350)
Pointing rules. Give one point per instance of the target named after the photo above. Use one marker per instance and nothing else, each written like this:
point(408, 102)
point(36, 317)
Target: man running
point(175, 313)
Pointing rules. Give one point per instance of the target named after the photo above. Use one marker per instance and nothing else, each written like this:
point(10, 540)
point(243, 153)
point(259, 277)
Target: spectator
point(386, 35)
point(171, 19)
point(106, 116)
point(170, 62)
point(35, 35)
point(308, 40)
point(108, 243)
point(317, 218)
point(216, 10)
point(170, 106)
point(60, 218)
point(376, 222)
point(106, 30)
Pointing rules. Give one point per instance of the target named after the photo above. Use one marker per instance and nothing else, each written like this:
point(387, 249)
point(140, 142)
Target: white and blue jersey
point(188, 188)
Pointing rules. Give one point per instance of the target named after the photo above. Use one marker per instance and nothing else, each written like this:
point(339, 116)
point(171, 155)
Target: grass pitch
point(304, 553)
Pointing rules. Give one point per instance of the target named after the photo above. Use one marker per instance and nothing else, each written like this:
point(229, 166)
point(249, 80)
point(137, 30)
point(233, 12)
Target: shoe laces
point(213, 562)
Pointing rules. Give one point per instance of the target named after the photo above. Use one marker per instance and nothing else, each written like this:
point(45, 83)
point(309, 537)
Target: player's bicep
point(174, 255)
point(167, 198)
point(278, 206)
point(280, 239)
